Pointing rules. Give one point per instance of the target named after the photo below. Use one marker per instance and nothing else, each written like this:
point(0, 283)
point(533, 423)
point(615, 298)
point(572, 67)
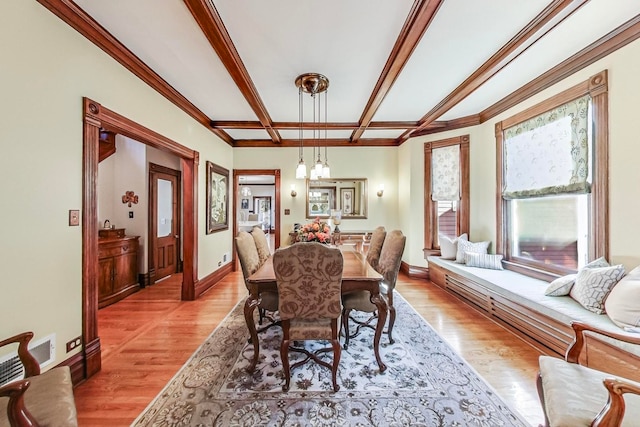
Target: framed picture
point(217, 197)
point(346, 200)
point(244, 204)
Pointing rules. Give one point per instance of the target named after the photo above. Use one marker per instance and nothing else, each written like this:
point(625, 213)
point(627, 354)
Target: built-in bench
point(519, 303)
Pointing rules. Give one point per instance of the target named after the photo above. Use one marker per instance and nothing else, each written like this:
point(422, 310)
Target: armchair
point(575, 395)
point(38, 399)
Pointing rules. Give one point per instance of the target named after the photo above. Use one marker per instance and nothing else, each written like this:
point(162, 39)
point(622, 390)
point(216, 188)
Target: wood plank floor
point(148, 336)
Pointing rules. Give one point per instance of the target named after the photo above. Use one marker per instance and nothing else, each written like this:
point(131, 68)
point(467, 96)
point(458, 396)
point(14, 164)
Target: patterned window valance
point(445, 173)
point(549, 154)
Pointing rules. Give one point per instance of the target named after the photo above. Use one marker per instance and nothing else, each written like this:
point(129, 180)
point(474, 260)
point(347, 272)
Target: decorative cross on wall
point(130, 197)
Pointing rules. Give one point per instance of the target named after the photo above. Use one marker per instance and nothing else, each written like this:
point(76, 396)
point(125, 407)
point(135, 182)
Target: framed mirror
point(346, 194)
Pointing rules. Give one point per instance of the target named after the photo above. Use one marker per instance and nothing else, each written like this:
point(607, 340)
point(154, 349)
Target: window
point(552, 170)
point(446, 205)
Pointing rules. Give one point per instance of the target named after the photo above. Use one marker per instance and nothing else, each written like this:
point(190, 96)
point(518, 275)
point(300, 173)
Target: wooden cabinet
point(118, 268)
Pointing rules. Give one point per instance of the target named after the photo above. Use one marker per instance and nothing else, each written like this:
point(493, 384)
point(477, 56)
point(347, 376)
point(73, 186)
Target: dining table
point(357, 275)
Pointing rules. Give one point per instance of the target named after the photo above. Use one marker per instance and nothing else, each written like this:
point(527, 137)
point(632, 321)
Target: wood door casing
point(164, 251)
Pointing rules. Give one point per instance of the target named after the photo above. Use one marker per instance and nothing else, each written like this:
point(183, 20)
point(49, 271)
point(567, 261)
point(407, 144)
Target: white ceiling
point(349, 42)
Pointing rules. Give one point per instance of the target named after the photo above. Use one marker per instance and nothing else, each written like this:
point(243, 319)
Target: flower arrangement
point(315, 231)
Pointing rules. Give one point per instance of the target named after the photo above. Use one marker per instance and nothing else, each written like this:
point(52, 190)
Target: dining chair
point(250, 262)
point(388, 267)
point(261, 244)
point(309, 280)
point(375, 246)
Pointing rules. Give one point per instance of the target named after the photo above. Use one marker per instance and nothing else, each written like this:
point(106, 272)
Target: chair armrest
point(31, 365)
point(17, 413)
point(579, 328)
point(613, 411)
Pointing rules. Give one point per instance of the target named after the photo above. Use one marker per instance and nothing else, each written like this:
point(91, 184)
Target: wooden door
point(164, 221)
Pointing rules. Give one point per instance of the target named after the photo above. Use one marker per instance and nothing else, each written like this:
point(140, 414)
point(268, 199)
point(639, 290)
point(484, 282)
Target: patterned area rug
point(426, 384)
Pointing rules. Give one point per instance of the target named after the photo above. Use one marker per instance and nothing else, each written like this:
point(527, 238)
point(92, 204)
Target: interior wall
point(47, 68)
point(378, 164)
point(623, 68)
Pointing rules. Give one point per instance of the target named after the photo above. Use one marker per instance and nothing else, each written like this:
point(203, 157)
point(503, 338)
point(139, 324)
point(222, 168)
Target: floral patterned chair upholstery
point(261, 243)
point(575, 395)
point(388, 266)
point(250, 262)
point(309, 278)
point(375, 246)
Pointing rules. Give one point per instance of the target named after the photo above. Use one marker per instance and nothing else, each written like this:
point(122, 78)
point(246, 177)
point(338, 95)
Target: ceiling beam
point(549, 18)
point(80, 21)
point(239, 124)
point(415, 26)
point(336, 142)
point(207, 17)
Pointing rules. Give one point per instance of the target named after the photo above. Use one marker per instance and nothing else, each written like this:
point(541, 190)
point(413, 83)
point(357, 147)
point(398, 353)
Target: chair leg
point(337, 352)
point(392, 315)
point(345, 323)
point(284, 356)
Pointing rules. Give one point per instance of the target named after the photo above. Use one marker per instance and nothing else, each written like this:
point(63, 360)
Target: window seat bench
point(519, 303)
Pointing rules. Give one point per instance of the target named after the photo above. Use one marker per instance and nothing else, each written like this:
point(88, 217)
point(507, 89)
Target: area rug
point(426, 384)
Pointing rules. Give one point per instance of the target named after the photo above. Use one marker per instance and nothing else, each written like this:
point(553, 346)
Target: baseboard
point(76, 364)
point(204, 284)
point(414, 272)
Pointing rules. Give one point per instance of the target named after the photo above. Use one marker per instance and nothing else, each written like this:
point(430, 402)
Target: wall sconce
point(380, 190)
point(293, 190)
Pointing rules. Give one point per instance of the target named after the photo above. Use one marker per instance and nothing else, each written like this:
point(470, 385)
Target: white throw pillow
point(623, 303)
point(465, 246)
point(493, 262)
point(561, 286)
point(594, 284)
point(448, 246)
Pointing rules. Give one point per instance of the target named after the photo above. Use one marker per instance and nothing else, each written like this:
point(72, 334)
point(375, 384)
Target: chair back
point(252, 217)
point(247, 254)
point(309, 278)
point(261, 244)
point(391, 257)
point(375, 246)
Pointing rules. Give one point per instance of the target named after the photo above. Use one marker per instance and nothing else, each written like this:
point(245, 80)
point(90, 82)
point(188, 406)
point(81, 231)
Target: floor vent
point(43, 350)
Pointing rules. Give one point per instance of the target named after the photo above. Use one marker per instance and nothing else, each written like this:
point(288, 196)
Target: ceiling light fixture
point(313, 84)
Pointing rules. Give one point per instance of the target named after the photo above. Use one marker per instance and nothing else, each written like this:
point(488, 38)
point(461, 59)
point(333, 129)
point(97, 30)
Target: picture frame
point(244, 204)
point(217, 198)
point(347, 200)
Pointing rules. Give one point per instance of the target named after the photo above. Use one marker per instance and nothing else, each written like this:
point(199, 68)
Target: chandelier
point(313, 84)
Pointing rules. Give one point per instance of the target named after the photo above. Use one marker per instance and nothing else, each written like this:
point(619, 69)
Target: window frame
point(431, 246)
point(597, 87)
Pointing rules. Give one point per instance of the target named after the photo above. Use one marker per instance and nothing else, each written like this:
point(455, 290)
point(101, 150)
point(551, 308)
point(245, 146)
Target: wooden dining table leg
point(381, 305)
point(249, 306)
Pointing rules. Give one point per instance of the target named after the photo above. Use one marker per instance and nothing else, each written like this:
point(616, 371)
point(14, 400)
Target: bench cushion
point(49, 399)
point(574, 394)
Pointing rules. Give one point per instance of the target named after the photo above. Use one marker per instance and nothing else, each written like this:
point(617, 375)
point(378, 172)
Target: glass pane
point(165, 207)
point(447, 218)
point(551, 230)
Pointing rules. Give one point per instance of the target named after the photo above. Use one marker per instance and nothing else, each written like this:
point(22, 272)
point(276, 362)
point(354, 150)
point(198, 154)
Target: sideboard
point(117, 268)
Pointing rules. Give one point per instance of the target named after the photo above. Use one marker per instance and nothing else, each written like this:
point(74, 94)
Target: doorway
point(96, 119)
point(164, 222)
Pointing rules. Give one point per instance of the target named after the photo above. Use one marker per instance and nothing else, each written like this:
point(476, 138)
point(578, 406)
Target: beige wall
point(624, 152)
point(46, 69)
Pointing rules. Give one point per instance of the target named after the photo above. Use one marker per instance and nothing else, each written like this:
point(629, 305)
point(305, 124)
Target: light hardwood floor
point(148, 336)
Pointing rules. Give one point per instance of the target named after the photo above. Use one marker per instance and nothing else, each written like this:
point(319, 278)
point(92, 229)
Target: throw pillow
point(623, 303)
point(465, 246)
point(448, 246)
point(493, 262)
point(561, 286)
point(594, 284)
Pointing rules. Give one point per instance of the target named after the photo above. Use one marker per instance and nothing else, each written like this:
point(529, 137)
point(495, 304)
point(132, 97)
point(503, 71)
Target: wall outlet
point(225, 257)
point(219, 263)
point(74, 343)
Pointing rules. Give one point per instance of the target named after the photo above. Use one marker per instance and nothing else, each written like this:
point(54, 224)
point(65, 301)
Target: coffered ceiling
point(397, 68)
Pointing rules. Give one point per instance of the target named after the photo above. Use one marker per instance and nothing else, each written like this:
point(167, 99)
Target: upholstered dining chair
point(375, 246)
point(250, 262)
point(261, 244)
point(309, 279)
point(575, 395)
point(388, 267)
